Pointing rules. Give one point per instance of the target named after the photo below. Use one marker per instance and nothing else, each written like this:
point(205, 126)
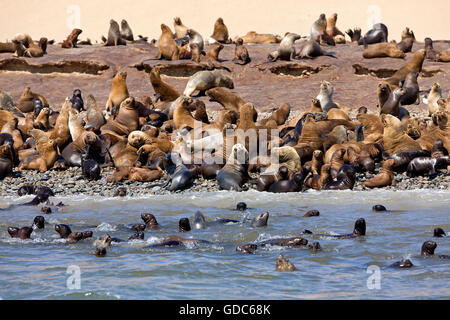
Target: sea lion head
point(428, 248)
point(261, 220)
point(239, 154)
point(220, 21)
point(362, 110)
point(138, 138)
point(389, 120)
point(247, 248)
point(177, 21)
point(239, 42)
point(22, 233)
point(326, 87)
point(105, 240)
point(283, 264)
point(439, 232)
point(149, 219)
point(436, 88)
point(184, 225)
point(379, 207)
point(428, 42)
point(241, 206)
point(360, 227)
point(128, 103)
point(38, 222)
point(63, 230)
point(122, 75)
point(399, 92)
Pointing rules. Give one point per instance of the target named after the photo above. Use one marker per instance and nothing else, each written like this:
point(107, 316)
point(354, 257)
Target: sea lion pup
point(325, 96)
point(354, 34)
point(345, 179)
point(114, 36)
point(204, 80)
point(11, 128)
point(383, 49)
point(311, 49)
point(259, 38)
point(394, 138)
point(378, 33)
point(283, 264)
point(384, 178)
point(77, 100)
point(41, 121)
point(118, 93)
point(163, 90)
point(383, 92)
point(318, 28)
point(72, 39)
point(286, 51)
point(392, 104)
point(430, 52)
point(220, 33)
point(6, 161)
point(426, 165)
point(412, 89)
point(414, 65)
point(407, 42)
point(235, 172)
point(241, 55)
point(294, 184)
point(21, 233)
point(195, 37)
point(26, 104)
point(47, 153)
point(167, 47)
point(433, 98)
point(180, 28)
point(94, 116)
point(126, 33)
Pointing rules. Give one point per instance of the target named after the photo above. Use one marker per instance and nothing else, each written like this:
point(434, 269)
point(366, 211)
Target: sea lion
point(444, 56)
point(312, 213)
point(286, 51)
point(426, 165)
point(318, 28)
point(407, 42)
point(260, 38)
point(137, 236)
point(378, 33)
point(118, 93)
point(345, 179)
point(204, 80)
point(94, 116)
point(241, 55)
point(150, 221)
point(6, 161)
point(47, 153)
point(337, 161)
point(316, 181)
point(42, 120)
point(283, 264)
point(430, 52)
point(8, 46)
point(311, 49)
point(195, 37)
point(354, 34)
point(247, 248)
point(38, 223)
point(199, 221)
point(392, 104)
point(77, 100)
point(229, 100)
point(163, 90)
point(235, 172)
point(358, 230)
point(394, 138)
point(428, 248)
point(325, 96)
point(11, 128)
point(89, 167)
point(241, 206)
point(26, 104)
point(378, 208)
point(295, 184)
point(414, 65)
point(412, 89)
point(125, 31)
point(167, 47)
point(220, 33)
point(180, 28)
point(331, 29)
point(403, 264)
point(383, 49)
point(184, 225)
point(65, 232)
point(21, 233)
point(439, 232)
point(384, 178)
point(36, 50)
point(260, 220)
point(433, 98)
point(114, 36)
point(72, 39)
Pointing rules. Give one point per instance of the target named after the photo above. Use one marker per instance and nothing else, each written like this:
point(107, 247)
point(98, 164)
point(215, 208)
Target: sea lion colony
point(146, 140)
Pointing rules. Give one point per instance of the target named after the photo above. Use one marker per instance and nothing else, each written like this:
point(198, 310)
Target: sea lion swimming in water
point(358, 230)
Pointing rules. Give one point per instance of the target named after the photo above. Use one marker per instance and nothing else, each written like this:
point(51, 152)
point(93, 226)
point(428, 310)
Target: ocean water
point(43, 267)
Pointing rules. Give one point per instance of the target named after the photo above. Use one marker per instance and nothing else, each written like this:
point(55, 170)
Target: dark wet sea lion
point(426, 165)
point(137, 236)
point(89, 167)
point(379, 207)
point(345, 179)
point(184, 225)
point(183, 177)
point(439, 232)
point(40, 198)
point(235, 172)
point(283, 264)
point(241, 206)
point(199, 221)
point(114, 36)
point(378, 33)
point(403, 264)
point(38, 222)
point(295, 184)
point(138, 227)
point(120, 192)
point(354, 34)
point(150, 221)
point(247, 248)
point(358, 230)
point(412, 89)
point(21, 233)
point(77, 100)
point(428, 248)
point(293, 242)
point(312, 213)
point(260, 220)
point(402, 159)
point(6, 161)
point(392, 104)
point(46, 210)
point(431, 53)
point(30, 189)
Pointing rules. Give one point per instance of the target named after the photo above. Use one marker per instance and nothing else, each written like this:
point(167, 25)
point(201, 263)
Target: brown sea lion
point(229, 100)
point(36, 50)
point(383, 49)
point(394, 138)
point(433, 98)
point(384, 178)
point(220, 32)
point(259, 38)
point(167, 47)
point(72, 39)
point(392, 104)
point(42, 120)
point(94, 116)
point(47, 153)
point(75, 124)
point(118, 93)
point(241, 55)
point(331, 29)
point(180, 28)
point(316, 181)
point(444, 56)
point(214, 50)
point(336, 162)
point(6, 161)
point(145, 175)
point(407, 42)
point(126, 121)
point(414, 65)
point(61, 131)
point(163, 90)
point(26, 104)
point(114, 36)
point(430, 52)
point(283, 264)
point(11, 128)
point(8, 46)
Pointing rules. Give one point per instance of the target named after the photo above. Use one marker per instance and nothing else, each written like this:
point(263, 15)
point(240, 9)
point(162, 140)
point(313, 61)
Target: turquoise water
point(37, 268)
